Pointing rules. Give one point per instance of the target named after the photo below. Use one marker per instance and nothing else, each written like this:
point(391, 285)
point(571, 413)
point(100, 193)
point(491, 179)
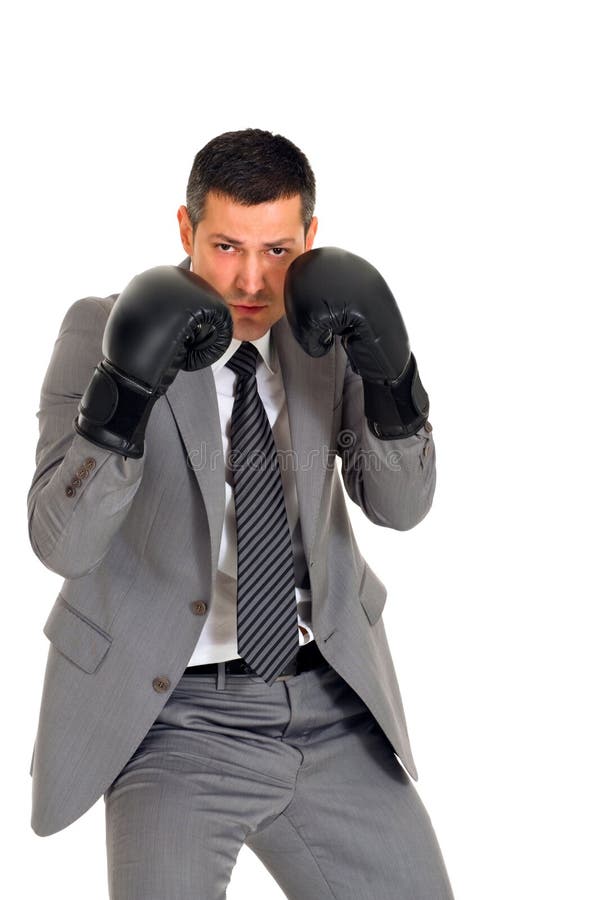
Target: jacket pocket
point(372, 594)
point(76, 637)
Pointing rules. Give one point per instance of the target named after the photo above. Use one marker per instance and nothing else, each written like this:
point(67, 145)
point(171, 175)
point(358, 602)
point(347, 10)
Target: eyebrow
point(236, 243)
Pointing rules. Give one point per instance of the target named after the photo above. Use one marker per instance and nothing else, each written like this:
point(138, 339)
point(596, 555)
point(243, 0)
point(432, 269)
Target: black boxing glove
point(166, 320)
point(329, 291)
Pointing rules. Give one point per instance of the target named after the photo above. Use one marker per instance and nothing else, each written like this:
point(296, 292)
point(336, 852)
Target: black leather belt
point(308, 657)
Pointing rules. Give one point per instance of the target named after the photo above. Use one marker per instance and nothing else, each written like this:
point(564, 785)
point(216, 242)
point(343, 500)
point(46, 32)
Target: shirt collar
point(264, 346)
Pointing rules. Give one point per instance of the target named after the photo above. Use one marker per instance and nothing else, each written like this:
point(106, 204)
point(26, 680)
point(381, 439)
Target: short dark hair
point(250, 166)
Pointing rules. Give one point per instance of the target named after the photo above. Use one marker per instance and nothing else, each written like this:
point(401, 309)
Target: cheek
point(216, 272)
point(277, 277)
point(275, 285)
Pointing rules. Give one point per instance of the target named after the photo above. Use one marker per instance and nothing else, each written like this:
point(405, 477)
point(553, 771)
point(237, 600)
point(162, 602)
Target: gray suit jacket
point(137, 542)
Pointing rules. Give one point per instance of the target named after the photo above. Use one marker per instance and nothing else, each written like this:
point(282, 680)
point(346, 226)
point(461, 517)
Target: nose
point(250, 275)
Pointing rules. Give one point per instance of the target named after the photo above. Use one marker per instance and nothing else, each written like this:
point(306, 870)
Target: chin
point(251, 331)
point(245, 328)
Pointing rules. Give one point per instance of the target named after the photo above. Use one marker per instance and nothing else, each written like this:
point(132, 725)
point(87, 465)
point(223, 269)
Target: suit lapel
point(309, 388)
point(193, 401)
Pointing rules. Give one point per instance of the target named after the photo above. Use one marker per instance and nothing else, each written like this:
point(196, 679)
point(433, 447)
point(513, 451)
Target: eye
point(220, 246)
point(282, 250)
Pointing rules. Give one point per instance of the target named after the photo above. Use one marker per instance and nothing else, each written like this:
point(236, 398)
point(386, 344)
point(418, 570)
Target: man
point(178, 553)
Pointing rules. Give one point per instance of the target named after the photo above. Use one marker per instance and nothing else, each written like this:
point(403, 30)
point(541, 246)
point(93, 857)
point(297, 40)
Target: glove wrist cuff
point(114, 411)
point(397, 409)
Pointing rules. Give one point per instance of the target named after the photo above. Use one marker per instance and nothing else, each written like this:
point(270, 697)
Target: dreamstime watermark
point(323, 456)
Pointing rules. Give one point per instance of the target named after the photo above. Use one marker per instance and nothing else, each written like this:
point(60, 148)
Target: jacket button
point(76, 482)
point(428, 426)
point(90, 463)
point(161, 684)
point(69, 491)
point(427, 450)
point(82, 472)
point(199, 608)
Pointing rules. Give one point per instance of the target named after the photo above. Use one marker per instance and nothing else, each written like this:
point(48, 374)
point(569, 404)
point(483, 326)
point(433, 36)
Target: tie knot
point(243, 361)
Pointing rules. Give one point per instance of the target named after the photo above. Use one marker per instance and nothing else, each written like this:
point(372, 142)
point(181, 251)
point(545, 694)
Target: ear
point(311, 233)
point(185, 230)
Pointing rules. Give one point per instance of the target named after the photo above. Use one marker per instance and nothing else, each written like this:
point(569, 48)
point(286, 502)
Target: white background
point(455, 146)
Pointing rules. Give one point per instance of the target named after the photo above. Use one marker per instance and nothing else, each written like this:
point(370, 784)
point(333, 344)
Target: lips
point(247, 307)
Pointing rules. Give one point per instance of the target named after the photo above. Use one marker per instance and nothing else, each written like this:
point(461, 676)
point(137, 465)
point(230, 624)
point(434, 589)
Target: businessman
point(218, 668)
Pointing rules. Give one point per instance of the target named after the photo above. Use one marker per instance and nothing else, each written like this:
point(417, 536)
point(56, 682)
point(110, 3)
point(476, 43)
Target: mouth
point(249, 309)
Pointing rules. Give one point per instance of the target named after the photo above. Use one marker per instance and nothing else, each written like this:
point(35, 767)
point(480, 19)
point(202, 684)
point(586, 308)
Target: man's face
point(244, 253)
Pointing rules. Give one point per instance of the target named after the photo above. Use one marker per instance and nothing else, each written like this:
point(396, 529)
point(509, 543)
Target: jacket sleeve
point(393, 481)
point(80, 493)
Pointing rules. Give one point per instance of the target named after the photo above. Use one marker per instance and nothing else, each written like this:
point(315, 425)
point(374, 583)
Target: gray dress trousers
point(300, 772)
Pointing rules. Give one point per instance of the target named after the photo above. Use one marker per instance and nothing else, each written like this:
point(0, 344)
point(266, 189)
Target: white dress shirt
point(218, 640)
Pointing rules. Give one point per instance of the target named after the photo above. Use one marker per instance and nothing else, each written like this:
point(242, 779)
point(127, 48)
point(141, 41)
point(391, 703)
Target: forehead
point(275, 219)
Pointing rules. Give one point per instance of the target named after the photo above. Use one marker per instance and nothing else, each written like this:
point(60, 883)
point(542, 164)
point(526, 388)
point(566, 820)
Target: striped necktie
point(267, 629)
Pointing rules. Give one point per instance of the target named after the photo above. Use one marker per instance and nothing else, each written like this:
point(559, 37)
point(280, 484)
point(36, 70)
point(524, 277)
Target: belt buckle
point(245, 668)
